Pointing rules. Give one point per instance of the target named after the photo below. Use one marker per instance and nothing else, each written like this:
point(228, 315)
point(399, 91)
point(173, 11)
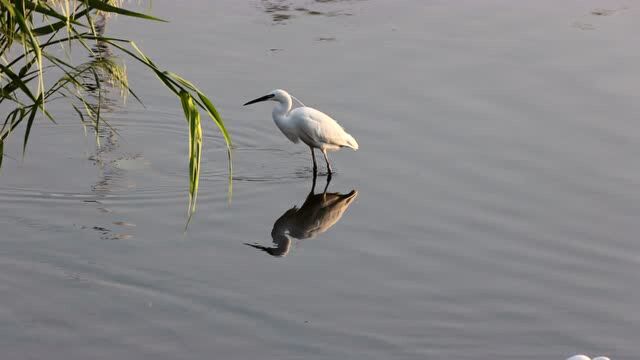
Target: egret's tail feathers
point(351, 142)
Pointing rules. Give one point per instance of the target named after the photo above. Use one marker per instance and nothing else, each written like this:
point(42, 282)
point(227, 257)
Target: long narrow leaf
point(64, 21)
point(12, 122)
point(18, 81)
point(7, 4)
point(195, 147)
point(213, 113)
point(27, 130)
point(206, 105)
point(35, 47)
point(103, 6)
point(46, 10)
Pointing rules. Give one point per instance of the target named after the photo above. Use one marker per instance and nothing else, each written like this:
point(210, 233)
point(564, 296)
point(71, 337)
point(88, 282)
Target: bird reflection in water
point(318, 213)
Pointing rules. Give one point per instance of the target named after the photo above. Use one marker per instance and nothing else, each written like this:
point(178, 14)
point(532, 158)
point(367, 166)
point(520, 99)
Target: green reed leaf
point(195, 146)
point(103, 6)
point(215, 116)
point(27, 130)
point(9, 6)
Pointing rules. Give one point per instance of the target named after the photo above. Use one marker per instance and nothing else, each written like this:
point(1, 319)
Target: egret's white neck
point(282, 108)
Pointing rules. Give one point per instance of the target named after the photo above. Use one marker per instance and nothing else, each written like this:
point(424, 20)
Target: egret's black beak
point(264, 98)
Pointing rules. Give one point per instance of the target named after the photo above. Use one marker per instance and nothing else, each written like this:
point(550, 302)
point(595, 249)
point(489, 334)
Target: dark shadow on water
point(283, 10)
point(318, 213)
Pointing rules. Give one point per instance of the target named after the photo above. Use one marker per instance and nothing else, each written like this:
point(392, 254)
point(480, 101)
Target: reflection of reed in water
point(102, 73)
point(99, 76)
point(318, 213)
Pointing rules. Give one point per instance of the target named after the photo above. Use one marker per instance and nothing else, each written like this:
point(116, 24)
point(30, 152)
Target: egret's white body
point(313, 127)
point(585, 357)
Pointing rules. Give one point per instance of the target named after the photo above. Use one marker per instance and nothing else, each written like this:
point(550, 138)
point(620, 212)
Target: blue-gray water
point(498, 191)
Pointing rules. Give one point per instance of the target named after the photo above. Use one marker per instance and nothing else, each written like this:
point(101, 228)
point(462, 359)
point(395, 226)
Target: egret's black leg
point(324, 152)
point(327, 185)
point(313, 184)
point(315, 166)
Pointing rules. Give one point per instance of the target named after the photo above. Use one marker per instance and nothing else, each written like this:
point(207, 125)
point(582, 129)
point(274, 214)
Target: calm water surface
point(491, 212)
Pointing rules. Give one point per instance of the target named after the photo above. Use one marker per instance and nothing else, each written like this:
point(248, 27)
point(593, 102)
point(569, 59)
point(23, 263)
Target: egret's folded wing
point(319, 127)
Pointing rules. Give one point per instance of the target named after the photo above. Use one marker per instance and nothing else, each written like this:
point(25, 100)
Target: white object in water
point(585, 357)
point(315, 128)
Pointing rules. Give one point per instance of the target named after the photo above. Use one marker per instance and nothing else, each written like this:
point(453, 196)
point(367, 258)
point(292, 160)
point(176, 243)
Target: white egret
point(585, 357)
point(315, 128)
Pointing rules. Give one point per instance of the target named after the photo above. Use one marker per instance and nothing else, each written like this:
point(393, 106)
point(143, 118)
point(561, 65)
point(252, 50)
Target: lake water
point(490, 213)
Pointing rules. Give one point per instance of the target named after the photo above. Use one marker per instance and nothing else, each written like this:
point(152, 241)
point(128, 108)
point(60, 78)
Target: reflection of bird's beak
point(273, 251)
point(263, 98)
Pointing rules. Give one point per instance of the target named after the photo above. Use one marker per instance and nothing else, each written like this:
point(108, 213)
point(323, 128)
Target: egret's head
point(275, 95)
